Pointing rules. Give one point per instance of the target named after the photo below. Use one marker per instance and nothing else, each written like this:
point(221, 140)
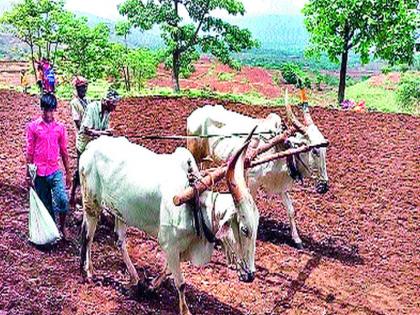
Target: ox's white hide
point(138, 186)
point(216, 120)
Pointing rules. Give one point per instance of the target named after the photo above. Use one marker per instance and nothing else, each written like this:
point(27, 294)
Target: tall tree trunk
point(125, 78)
point(55, 51)
point(128, 79)
point(39, 46)
point(343, 72)
point(126, 69)
point(176, 55)
point(31, 45)
point(175, 71)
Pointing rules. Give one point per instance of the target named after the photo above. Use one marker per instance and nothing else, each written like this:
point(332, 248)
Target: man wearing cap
point(95, 123)
point(46, 141)
point(79, 102)
point(78, 105)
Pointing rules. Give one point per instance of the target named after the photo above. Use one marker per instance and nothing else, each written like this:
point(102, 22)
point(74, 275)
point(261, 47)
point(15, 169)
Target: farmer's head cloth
point(79, 81)
point(112, 95)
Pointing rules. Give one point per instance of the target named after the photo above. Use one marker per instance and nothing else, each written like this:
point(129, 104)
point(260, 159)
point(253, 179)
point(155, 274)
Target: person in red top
point(46, 77)
point(46, 141)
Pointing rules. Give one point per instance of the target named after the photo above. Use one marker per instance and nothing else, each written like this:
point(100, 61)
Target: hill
point(275, 33)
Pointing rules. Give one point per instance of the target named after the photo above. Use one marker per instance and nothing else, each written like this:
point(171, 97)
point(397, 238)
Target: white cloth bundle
point(42, 228)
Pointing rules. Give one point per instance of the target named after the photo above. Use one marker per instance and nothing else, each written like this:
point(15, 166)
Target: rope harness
point(199, 221)
point(177, 137)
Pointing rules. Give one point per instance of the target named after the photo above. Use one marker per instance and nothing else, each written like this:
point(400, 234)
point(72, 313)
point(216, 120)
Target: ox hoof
point(88, 279)
point(142, 290)
point(299, 245)
point(133, 282)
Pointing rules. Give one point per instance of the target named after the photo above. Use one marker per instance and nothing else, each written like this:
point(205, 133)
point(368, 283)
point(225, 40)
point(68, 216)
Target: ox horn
point(307, 115)
point(235, 174)
point(292, 118)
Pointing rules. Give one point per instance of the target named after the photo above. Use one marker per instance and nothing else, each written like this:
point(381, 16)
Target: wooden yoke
point(279, 139)
point(286, 153)
point(201, 185)
point(218, 174)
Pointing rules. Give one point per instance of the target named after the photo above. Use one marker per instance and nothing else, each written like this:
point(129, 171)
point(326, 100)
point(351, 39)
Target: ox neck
point(208, 200)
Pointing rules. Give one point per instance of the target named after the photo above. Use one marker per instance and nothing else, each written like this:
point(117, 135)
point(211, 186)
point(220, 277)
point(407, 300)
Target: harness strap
point(199, 221)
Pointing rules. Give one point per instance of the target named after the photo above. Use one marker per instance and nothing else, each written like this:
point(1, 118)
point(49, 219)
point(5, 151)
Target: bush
point(350, 81)
point(330, 80)
point(277, 78)
point(386, 69)
point(403, 67)
point(408, 92)
point(225, 76)
point(292, 72)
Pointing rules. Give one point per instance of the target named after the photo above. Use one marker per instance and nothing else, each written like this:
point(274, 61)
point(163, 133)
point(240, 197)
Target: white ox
point(138, 186)
point(274, 177)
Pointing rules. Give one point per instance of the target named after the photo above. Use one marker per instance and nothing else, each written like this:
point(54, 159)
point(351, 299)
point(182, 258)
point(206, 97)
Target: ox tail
point(83, 241)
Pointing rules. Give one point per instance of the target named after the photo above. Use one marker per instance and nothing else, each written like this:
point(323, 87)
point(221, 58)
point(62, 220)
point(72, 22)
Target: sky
point(108, 8)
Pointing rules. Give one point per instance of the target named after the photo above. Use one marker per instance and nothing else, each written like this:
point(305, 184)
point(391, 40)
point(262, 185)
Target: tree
point(135, 65)
point(379, 28)
point(123, 28)
point(143, 65)
point(85, 50)
point(202, 31)
point(36, 23)
point(54, 33)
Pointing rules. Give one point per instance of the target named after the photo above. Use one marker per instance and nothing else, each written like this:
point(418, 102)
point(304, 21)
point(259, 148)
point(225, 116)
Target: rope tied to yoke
point(178, 137)
point(199, 221)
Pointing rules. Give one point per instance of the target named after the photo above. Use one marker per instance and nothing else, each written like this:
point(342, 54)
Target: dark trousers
point(76, 177)
point(52, 192)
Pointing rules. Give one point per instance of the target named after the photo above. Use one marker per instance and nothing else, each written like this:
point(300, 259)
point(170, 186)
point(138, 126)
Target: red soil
point(209, 75)
point(361, 238)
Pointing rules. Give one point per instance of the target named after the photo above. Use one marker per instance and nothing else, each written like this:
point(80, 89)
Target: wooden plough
point(219, 173)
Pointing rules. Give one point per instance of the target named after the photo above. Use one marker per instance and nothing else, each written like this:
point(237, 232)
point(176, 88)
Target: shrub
point(403, 67)
point(408, 92)
point(292, 72)
point(330, 80)
point(225, 76)
point(277, 78)
point(386, 69)
point(350, 81)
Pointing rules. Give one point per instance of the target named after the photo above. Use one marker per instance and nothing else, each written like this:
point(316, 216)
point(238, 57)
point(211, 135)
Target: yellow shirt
point(78, 107)
point(92, 119)
point(24, 80)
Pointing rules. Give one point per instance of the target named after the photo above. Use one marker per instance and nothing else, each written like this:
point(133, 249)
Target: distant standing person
point(78, 106)
point(46, 80)
point(95, 123)
point(46, 141)
point(24, 80)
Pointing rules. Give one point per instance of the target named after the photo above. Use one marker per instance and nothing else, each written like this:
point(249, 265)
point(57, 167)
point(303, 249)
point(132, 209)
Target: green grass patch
point(252, 98)
point(376, 98)
point(225, 76)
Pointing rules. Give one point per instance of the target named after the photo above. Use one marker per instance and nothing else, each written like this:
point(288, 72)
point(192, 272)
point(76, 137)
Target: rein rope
point(177, 137)
point(199, 221)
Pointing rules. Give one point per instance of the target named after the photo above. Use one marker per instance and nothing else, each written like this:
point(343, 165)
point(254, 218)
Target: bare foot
point(64, 233)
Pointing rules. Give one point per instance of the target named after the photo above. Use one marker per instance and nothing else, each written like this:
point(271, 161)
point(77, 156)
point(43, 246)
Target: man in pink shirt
point(46, 141)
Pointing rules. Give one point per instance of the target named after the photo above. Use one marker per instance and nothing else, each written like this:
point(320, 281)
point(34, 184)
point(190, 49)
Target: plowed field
point(361, 239)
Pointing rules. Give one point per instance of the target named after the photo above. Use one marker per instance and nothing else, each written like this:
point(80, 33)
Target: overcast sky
point(108, 8)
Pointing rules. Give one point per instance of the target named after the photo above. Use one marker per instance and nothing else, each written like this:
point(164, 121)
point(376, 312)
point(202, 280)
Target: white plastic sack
point(42, 228)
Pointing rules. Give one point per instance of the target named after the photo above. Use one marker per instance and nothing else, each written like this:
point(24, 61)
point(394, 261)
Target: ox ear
point(223, 231)
point(298, 140)
point(225, 224)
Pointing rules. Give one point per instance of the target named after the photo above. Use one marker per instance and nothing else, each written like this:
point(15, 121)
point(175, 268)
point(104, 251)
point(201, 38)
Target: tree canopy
point(371, 28)
point(185, 37)
point(73, 46)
